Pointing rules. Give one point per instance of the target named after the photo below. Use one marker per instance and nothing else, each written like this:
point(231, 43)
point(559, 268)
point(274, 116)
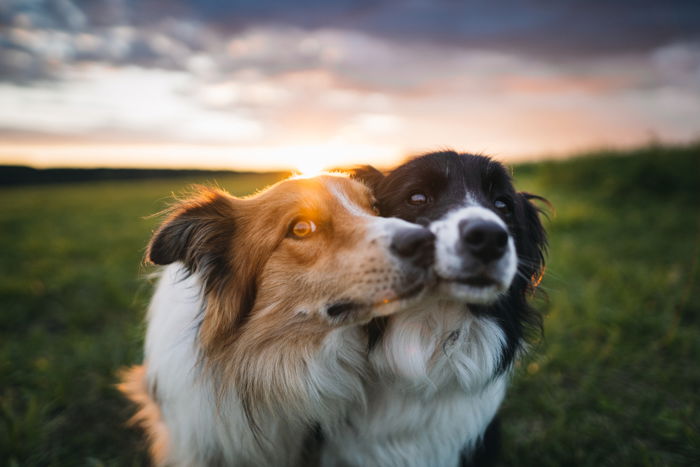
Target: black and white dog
point(441, 368)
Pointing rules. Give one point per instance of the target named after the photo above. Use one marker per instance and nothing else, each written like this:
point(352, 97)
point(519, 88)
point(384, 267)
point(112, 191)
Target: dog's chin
point(386, 304)
point(474, 290)
point(399, 299)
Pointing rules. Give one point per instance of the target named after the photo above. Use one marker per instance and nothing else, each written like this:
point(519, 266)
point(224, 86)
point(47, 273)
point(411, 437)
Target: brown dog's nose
point(415, 245)
point(486, 240)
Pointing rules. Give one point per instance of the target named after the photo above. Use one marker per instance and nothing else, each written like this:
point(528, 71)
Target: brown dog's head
point(283, 269)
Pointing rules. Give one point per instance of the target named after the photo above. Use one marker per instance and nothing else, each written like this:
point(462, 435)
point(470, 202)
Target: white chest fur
point(433, 393)
point(201, 430)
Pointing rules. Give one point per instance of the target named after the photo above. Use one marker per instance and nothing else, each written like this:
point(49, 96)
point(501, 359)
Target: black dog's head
point(489, 238)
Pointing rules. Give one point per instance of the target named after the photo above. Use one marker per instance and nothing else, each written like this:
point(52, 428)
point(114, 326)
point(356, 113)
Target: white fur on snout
point(449, 263)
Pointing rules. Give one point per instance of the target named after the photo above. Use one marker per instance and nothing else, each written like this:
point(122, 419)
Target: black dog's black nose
point(415, 245)
point(486, 240)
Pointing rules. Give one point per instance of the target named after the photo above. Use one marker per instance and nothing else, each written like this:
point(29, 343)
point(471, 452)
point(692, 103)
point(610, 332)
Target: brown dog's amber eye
point(303, 228)
point(418, 199)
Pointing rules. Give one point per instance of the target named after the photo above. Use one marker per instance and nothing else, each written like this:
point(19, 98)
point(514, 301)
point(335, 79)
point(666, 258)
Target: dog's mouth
point(479, 288)
point(342, 308)
point(478, 280)
point(406, 293)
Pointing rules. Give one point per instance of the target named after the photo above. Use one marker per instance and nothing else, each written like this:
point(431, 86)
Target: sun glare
point(311, 160)
point(310, 166)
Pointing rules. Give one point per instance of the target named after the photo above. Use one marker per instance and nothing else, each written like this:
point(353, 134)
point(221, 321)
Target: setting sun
point(310, 166)
point(310, 160)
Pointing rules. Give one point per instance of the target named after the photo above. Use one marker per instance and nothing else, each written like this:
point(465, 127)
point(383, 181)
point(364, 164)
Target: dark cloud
point(532, 26)
point(40, 37)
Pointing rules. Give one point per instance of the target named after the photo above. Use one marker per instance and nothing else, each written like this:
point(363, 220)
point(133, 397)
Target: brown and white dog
point(254, 328)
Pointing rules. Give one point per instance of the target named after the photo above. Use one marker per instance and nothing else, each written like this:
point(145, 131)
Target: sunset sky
point(261, 84)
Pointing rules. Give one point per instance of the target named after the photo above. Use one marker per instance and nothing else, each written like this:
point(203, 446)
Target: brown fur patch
point(133, 385)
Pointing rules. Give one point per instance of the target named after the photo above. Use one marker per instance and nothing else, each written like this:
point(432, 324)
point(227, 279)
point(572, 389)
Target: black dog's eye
point(503, 205)
point(417, 199)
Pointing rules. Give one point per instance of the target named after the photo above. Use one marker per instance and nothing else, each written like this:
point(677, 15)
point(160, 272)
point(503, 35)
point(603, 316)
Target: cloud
point(122, 103)
point(156, 33)
point(510, 78)
point(41, 39)
point(533, 26)
point(354, 88)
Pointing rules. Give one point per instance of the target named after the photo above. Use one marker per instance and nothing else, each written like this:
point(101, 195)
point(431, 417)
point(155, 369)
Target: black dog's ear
point(532, 237)
point(198, 231)
point(367, 175)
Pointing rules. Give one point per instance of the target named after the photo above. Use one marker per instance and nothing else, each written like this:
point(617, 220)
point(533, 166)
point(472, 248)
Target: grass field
point(615, 380)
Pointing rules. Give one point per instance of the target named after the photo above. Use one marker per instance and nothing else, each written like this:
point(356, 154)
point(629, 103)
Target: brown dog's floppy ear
point(206, 234)
point(367, 175)
point(196, 232)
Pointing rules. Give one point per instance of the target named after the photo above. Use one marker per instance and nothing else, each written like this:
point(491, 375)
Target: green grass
point(614, 381)
point(73, 294)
